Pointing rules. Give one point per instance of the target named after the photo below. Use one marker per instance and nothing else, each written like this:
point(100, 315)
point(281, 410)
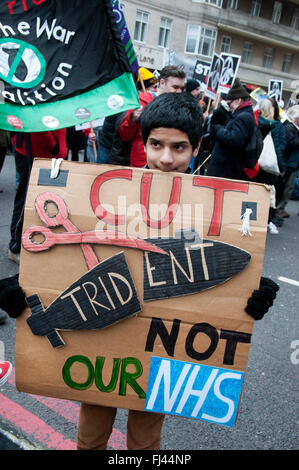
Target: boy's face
point(169, 150)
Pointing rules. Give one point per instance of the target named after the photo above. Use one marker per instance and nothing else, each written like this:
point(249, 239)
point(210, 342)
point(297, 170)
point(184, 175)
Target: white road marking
point(289, 281)
point(2, 351)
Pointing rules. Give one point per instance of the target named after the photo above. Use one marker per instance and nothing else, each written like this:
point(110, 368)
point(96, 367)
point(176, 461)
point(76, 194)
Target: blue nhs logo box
point(194, 390)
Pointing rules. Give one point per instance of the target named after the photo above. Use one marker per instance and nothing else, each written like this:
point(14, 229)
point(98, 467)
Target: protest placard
point(214, 77)
point(229, 71)
point(275, 88)
point(137, 282)
point(201, 73)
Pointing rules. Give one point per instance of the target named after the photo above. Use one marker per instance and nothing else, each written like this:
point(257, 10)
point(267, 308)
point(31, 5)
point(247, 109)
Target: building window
point(287, 62)
point(200, 40)
point(276, 15)
point(141, 25)
point(247, 52)
point(207, 42)
point(217, 3)
point(192, 38)
point(268, 57)
point(255, 8)
point(233, 4)
point(295, 19)
point(225, 44)
point(164, 33)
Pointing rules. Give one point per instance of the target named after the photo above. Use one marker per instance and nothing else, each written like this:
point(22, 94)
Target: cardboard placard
point(153, 273)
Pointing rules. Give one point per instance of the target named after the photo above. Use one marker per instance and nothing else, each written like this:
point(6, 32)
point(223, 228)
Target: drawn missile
point(193, 265)
point(102, 297)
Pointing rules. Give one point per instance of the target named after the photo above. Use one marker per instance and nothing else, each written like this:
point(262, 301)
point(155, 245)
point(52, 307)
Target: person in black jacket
point(106, 138)
point(286, 183)
point(120, 151)
point(4, 145)
point(231, 140)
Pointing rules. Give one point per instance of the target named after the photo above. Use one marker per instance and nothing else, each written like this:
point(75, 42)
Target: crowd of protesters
point(224, 129)
point(227, 127)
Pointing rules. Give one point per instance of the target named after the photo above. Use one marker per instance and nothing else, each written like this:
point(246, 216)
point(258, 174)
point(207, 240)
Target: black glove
point(216, 127)
point(261, 300)
point(55, 149)
point(12, 297)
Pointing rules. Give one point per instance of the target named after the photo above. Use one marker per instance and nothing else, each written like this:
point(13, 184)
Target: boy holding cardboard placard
point(171, 130)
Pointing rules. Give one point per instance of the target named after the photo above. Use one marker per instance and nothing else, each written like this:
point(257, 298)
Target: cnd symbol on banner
point(22, 64)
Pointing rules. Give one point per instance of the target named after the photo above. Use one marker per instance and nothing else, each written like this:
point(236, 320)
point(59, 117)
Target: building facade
point(264, 33)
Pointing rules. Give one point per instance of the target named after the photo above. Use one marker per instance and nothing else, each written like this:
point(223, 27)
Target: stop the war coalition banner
point(63, 63)
point(136, 287)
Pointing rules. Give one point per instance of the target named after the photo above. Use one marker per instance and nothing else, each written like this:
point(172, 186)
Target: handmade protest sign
point(63, 64)
point(136, 283)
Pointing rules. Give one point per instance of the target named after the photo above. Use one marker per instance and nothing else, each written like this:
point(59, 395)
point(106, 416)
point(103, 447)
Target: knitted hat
point(191, 85)
point(147, 77)
point(237, 91)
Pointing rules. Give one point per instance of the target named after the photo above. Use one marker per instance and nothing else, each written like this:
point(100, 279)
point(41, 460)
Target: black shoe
point(14, 256)
point(277, 221)
point(3, 317)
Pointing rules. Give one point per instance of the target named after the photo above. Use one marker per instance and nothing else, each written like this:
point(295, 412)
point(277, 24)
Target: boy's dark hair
point(173, 110)
point(171, 71)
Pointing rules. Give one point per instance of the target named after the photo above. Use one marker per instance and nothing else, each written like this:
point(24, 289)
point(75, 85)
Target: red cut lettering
point(98, 209)
point(219, 186)
point(172, 204)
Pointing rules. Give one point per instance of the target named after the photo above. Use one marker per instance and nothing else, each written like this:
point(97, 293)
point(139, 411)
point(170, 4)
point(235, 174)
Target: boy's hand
point(12, 297)
point(262, 299)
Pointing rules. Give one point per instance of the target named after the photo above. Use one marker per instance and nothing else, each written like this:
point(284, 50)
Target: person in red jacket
point(130, 130)
point(171, 80)
point(49, 144)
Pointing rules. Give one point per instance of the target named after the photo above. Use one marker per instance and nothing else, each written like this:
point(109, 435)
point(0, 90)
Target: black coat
point(120, 150)
point(231, 140)
point(291, 153)
point(220, 116)
point(107, 131)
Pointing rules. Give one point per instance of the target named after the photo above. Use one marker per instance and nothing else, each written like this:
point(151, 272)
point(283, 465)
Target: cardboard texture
point(178, 330)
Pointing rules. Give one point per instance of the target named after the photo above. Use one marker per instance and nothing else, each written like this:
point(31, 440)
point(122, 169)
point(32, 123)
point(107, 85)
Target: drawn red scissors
point(73, 235)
